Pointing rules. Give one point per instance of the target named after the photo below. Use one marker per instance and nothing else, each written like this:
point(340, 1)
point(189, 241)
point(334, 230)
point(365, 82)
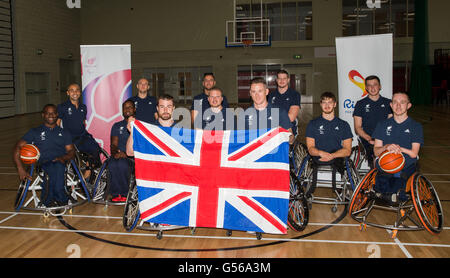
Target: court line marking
point(120, 218)
point(224, 237)
point(400, 245)
point(7, 218)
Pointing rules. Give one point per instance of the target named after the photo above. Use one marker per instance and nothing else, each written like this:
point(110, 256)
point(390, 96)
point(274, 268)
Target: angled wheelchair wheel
point(39, 179)
point(298, 213)
point(360, 194)
point(100, 189)
point(297, 155)
point(131, 212)
point(426, 203)
point(75, 184)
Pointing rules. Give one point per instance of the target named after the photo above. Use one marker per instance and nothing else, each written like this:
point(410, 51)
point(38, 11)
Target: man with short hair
point(214, 118)
point(398, 134)
point(72, 118)
point(145, 103)
point(327, 136)
point(368, 112)
point(165, 108)
point(119, 164)
point(262, 114)
point(287, 98)
point(56, 148)
point(200, 102)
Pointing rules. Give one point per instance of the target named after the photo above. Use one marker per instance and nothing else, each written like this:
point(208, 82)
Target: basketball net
point(247, 46)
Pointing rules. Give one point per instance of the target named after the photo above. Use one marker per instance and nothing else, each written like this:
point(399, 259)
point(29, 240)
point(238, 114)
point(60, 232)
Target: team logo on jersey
point(389, 130)
point(43, 136)
point(121, 130)
point(321, 129)
point(336, 128)
point(368, 108)
point(407, 130)
point(69, 110)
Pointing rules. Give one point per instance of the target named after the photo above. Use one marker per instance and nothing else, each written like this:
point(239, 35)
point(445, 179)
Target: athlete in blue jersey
point(399, 134)
point(287, 98)
point(262, 115)
point(164, 109)
point(56, 148)
point(215, 117)
point(368, 112)
point(119, 164)
point(200, 102)
point(145, 103)
point(328, 137)
point(72, 118)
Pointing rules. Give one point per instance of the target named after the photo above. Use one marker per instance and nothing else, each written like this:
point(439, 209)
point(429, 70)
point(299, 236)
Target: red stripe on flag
point(254, 146)
point(165, 204)
point(264, 214)
point(155, 139)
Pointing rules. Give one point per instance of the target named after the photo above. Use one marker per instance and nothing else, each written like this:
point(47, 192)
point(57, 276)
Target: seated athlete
point(262, 114)
point(200, 102)
point(368, 112)
point(287, 98)
point(214, 118)
point(164, 109)
point(399, 134)
point(72, 118)
point(119, 164)
point(328, 138)
point(56, 148)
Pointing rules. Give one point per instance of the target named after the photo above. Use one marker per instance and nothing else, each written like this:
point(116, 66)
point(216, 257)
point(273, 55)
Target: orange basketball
point(29, 154)
point(391, 162)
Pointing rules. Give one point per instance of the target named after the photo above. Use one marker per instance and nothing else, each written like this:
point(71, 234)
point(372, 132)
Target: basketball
point(391, 162)
point(29, 154)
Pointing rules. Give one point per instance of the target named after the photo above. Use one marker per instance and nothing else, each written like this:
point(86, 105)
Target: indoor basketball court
point(31, 79)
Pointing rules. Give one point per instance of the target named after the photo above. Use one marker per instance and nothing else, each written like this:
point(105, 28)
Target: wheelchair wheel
point(298, 213)
point(360, 195)
point(426, 203)
point(131, 212)
point(75, 184)
point(21, 192)
point(99, 192)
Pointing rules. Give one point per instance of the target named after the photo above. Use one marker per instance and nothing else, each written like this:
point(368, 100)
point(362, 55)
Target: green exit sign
point(297, 56)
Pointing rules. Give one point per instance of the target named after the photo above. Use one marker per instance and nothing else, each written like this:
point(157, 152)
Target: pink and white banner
point(106, 84)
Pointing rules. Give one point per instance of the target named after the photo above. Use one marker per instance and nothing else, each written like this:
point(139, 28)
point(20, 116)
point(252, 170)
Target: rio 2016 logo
point(357, 79)
point(73, 4)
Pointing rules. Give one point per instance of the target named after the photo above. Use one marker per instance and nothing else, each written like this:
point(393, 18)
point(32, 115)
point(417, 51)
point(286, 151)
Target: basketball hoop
point(247, 46)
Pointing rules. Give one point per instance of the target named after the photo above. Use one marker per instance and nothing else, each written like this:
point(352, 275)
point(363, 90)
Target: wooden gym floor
point(95, 231)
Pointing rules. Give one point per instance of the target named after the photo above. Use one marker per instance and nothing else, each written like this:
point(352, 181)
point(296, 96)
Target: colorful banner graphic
point(106, 84)
point(357, 58)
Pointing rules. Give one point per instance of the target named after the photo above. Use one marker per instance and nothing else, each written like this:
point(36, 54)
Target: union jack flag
point(236, 180)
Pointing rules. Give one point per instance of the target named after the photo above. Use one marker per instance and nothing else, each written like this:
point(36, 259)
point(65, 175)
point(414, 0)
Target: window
point(393, 16)
point(289, 20)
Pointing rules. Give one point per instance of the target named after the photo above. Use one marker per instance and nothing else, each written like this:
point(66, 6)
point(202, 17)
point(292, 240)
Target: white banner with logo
point(106, 84)
point(357, 58)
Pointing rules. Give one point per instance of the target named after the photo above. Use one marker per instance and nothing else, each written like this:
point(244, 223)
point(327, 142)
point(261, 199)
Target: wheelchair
point(85, 162)
point(132, 217)
point(29, 195)
point(298, 213)
point(312, 175)
point(100, 191)
point(360, 159)
point(420, 209)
